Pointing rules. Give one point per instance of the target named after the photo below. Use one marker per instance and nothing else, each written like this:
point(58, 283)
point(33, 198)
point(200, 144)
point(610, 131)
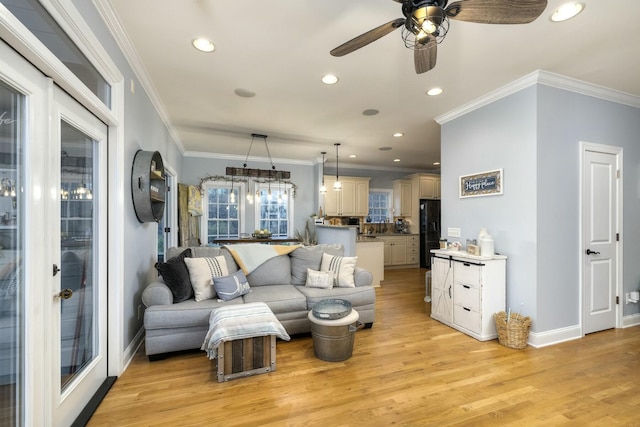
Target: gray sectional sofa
point(279, 282)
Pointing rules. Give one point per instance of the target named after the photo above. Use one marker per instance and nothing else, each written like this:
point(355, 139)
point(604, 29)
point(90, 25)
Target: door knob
point(590, 252)
point(64, 294)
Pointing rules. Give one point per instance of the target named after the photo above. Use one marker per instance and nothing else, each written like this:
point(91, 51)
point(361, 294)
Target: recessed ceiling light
point(384, 148)
point(203, 45)
point(370, 112)
point(396, 160)
point(434, 91)
point(398, 134)
point(329, 79)
point(244, 93)
point(436, 163)
point(353, 156)
point(567, 11)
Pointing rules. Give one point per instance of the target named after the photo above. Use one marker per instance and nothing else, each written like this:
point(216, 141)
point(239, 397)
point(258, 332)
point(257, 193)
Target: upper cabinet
point(402, 202)
point(353, 200)
point(148, 186)
point(429, 187)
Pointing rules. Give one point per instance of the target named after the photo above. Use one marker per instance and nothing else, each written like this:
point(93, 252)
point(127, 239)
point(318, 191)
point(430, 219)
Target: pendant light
point(337, 186)
point(323, 188)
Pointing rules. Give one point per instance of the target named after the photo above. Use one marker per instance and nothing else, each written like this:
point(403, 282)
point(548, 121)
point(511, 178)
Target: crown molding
point(548, 79)
point(112, 22)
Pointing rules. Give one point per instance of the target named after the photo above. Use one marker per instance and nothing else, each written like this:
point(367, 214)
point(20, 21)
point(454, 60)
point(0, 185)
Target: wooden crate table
point(242, 340)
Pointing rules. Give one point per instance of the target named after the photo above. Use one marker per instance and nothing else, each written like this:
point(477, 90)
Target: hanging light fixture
point(337, 186)
point(232, 196)
point(323, 188)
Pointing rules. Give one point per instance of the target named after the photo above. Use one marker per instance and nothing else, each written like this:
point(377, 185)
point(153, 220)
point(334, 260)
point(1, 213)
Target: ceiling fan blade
point(368, 37)
point(496, 11)
point(425, 57)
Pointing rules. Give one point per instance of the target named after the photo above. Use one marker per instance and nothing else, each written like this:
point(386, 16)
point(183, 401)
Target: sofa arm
point(157, 293)
point(362, 277)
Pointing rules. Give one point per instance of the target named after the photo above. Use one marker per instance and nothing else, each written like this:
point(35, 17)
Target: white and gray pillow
point(202, 271)
point(343, 267)
point(319, 279)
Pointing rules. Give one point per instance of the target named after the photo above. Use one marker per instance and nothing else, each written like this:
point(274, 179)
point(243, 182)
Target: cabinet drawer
point(466, 296)
point(411, 250)
point(468, 274)
point(412, 259)
point(467, 318)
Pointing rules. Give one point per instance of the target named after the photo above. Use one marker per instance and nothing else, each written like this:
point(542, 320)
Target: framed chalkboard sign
point(488, 183)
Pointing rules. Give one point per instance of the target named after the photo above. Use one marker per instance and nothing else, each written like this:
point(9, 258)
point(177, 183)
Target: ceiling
point(279, 50)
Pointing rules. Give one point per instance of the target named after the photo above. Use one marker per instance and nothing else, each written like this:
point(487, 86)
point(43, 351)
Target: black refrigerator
point(429, 230)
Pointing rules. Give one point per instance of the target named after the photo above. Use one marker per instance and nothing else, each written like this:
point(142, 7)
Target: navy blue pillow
point(175, 274)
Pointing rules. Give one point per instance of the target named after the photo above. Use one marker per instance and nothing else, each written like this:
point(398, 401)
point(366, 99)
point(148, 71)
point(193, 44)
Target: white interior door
point(80, 287)
point(600, 227)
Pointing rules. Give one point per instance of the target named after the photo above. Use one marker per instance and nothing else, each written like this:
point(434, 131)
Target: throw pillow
point(343, 267)
point(175, 274)
point(319, 279)
point(310, 257)
point(233, 286)
point(202, 271)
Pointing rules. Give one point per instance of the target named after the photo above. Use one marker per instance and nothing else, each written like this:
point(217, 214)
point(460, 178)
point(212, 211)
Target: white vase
point(483, 232)
point(487, 246)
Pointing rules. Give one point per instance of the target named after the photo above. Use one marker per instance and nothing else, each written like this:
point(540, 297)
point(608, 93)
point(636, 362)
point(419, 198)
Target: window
point(379, 205)
point(275, 210)
point(222, 210)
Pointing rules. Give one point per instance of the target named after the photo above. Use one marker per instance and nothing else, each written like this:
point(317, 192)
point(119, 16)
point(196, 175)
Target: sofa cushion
point(358, 296)
point(202, 271)
point(182, 315)
point(343, 267)
point(276, 271)
point(232, 286)
point(310, 257)
point(279, 298)
point(175, 274)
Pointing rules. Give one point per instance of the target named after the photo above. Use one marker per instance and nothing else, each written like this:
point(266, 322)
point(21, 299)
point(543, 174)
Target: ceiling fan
point(426, 22)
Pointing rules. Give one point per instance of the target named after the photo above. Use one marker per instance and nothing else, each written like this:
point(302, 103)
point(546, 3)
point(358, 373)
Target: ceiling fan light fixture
point(203, 44)
point(567, 11)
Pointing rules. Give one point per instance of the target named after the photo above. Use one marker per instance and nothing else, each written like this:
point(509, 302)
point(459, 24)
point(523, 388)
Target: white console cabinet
point(466, 291)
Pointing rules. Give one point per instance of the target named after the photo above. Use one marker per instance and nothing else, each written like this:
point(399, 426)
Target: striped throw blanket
point(250, 256)
point(235, 322)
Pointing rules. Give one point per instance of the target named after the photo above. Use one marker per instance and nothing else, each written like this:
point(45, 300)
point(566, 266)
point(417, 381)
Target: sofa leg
point(368, 325)
point(156, 357)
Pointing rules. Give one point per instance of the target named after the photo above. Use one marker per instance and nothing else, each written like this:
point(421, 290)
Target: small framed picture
point(488, 183)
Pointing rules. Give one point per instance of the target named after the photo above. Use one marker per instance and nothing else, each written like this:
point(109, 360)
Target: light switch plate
point(453, 232)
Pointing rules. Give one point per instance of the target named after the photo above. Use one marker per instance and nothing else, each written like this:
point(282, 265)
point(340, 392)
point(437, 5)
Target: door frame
point(618, 152)
point(26, 44)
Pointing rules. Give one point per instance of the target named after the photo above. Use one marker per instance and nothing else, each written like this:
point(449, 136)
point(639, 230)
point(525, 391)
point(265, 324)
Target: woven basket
point(515, 332)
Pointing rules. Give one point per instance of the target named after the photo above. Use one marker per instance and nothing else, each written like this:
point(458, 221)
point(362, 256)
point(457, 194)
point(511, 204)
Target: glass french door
point(79, 303)
point(53, 213)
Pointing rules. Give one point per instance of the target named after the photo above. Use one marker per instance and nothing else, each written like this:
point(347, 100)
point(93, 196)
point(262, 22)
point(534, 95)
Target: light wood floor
point(407, 370)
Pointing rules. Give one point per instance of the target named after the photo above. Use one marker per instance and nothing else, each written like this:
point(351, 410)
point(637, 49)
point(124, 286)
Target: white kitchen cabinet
point(370, 255)
point(467, 290)
point(402, 202)
point(400, 250)
point(352, 200)
point(429, 187)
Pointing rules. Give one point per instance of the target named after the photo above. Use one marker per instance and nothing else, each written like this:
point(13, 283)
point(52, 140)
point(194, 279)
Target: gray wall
point(143, 129)
point(534, 136)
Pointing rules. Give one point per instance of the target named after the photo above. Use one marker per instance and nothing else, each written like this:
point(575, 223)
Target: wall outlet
point(453, 232)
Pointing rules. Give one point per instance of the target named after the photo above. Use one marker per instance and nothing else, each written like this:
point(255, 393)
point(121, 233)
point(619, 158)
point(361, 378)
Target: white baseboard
point(132, 348)
point(629, 321)
point(556, 336)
